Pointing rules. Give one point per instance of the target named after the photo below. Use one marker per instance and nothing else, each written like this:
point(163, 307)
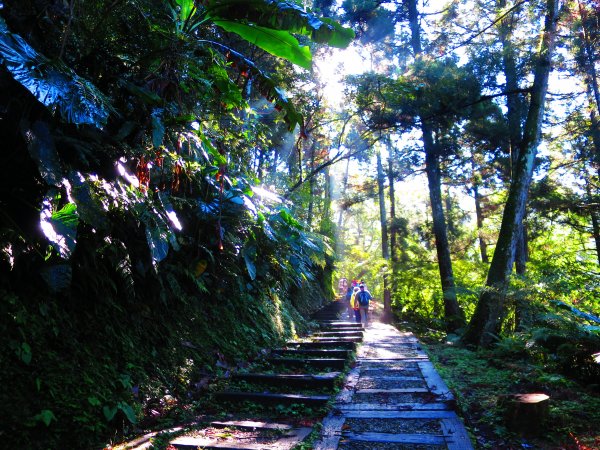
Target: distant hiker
point(355, 306)
point(349, 294)
point(363, 297)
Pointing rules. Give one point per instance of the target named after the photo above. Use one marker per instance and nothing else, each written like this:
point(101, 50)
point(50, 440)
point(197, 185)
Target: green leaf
point(341, 37)
point(186, 9)
point(93, 401)
point(289, 219)
point(53, 84)
point(64, 222)
point(128, 411)
point(278, 43)
point(109, 412)
point(25, 353)
point(146, 95)
point(281, 15)
point(90, 207)
point(46, 416)
point(158, 241)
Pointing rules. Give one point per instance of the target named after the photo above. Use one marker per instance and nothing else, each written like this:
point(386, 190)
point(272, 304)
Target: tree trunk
point(485, 323)
point(479, 217)
point(393, 232)
point(326, 217)
point(596, 233)
point(392, 196)
point(521, 252)
point(344, 187)
point(593, 214)
point(311, 187)
point(525, 414)
point(588, 58)
point(453, 314)
point(449, 217)
point(514, 107)
point(385, 251)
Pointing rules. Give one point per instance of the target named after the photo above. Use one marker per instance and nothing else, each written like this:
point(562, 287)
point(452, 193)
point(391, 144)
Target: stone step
point(340, 339)
point(340, 323)
point(323, 344)
point(326, 353)
point(317, 363)
point(387, 438)
point(339, 334)
point(342, 327)
point(326, 381)
point(268, 398)
point(252, 425)
point(288, 438)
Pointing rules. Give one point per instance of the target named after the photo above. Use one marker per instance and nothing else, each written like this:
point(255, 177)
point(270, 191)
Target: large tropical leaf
point(285, 16)
point(51, 82)
point(278, 43)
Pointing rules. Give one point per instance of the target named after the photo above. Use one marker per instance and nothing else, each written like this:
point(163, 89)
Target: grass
point(479, 378)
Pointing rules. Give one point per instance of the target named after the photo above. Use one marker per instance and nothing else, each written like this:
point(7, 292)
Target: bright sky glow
point(332, 66)
point(266, 194)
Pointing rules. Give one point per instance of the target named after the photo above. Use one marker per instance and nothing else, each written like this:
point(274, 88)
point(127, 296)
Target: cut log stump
point(525, 413)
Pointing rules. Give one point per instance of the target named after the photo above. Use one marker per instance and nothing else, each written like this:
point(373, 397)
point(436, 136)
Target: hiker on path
point(363, 297)
point(354, 305)
point(349, 294)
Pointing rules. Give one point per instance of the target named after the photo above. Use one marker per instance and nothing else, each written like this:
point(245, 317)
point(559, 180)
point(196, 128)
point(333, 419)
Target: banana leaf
point(278, 43)
point(284, 16)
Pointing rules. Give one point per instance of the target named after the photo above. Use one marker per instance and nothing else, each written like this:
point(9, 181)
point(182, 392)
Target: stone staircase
point(301, 374)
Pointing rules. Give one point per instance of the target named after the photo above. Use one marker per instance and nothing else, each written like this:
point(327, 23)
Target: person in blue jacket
point(362, 298)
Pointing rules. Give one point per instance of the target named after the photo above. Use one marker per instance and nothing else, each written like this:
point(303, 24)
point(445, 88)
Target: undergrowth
point(479, 378)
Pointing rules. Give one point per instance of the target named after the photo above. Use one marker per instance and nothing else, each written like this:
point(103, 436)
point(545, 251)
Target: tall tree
point(587, 56)
point(453, 314)
point(485, 323)
point(514, 110)
point(385, 249)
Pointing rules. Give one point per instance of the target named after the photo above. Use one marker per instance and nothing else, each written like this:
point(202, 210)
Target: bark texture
point(385, 251)
point(514, 113)
point(485, 323)
point(453, 314)
point(479, 217)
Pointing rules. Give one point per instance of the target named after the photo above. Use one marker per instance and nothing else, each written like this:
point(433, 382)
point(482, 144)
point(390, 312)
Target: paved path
point(393, 399)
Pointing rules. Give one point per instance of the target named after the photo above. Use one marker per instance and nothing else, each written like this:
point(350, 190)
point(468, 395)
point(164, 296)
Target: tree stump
point(525, 413)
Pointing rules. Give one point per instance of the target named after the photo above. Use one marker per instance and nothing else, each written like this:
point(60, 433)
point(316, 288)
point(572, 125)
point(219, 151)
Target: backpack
point(363, 298)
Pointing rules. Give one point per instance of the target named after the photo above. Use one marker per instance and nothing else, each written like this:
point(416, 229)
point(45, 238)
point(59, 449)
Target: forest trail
point(393, 399)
